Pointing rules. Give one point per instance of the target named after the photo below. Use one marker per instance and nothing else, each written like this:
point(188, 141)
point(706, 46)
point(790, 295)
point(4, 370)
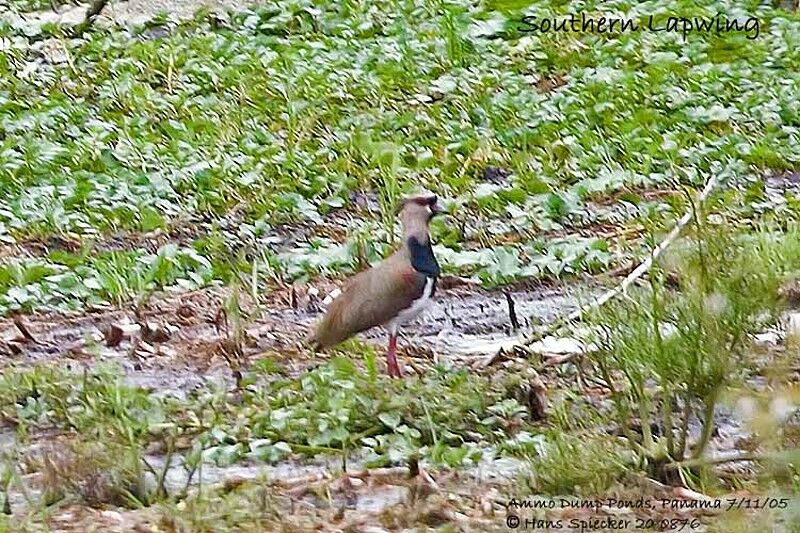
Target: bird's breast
point(417, 306)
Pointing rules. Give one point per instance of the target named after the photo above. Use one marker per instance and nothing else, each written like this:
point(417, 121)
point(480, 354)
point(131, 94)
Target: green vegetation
point(694, 340)
point(283, 110)
point(450, 418)
point(335, 407)
point(272, 145)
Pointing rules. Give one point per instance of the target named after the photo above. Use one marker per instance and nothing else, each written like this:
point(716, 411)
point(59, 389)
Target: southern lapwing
point(391, 293)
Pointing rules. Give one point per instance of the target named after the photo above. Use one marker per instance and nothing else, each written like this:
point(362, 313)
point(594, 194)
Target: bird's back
point(371, 298)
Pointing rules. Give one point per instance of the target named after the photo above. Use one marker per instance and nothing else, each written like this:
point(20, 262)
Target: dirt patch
point(187, 342)
point(316, 491)
point(312, 491)
point(374, 500)
point(783, 181)
point(135, 12)
point(228, 228)
point(184, 354)
point(548, 84)
point(129, 13)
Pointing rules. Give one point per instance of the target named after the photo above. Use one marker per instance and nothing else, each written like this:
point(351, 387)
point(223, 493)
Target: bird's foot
point(394, 370)
point(391, 359)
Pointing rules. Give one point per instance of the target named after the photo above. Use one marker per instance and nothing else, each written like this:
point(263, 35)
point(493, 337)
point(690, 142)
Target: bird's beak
point(437, 209)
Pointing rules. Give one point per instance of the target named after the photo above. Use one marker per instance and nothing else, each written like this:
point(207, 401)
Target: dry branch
point(512, 313)
point(24, 330)
point(638, 272)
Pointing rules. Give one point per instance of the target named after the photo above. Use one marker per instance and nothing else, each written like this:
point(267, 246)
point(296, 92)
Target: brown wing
point(370, 299)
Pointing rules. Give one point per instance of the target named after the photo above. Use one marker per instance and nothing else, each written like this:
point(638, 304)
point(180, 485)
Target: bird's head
point(419, 208)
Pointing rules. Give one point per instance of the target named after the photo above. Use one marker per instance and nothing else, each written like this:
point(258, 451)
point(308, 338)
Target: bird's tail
point(311, 340)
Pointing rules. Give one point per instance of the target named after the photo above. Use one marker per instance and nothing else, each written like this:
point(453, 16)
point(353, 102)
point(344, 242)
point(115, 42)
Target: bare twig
point(622, 288)
point(232, 352)
point(512, 313)
point(381, 472)
point(24, 330)
point(486, 362)
point(161, 488)
point(302, 480)
point(161, 474)
point(221, 320)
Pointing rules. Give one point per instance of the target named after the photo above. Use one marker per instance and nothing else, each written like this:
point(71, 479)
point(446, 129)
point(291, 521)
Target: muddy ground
point(175, 343)
point(172, 342)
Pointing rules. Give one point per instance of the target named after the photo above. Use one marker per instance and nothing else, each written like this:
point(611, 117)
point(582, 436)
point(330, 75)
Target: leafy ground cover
point(247, 160)
point(282, 114)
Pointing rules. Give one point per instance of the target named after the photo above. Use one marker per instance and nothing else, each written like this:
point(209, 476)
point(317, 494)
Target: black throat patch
point(422, 258)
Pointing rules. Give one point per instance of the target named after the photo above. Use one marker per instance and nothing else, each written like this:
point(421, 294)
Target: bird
point(391, 293)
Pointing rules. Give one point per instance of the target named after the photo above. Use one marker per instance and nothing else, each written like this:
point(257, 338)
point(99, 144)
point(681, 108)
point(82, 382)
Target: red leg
point(391, 357)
